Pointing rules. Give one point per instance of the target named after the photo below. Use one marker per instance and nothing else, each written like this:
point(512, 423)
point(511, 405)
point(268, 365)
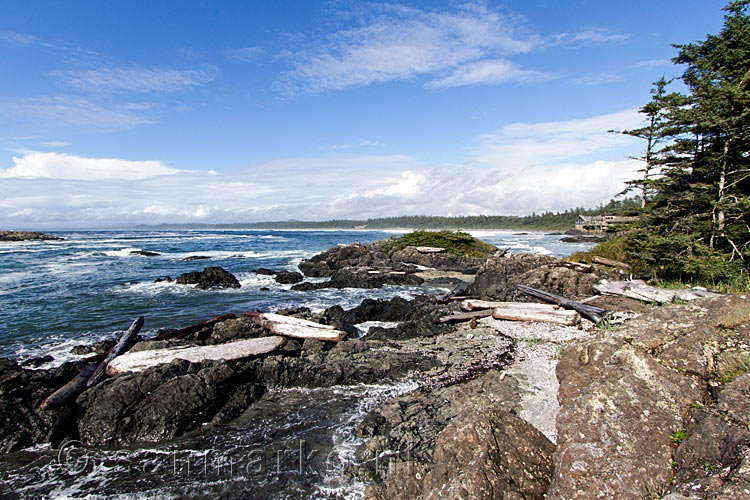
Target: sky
point(124, 112)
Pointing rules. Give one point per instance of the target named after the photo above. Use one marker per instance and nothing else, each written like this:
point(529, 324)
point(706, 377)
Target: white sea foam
point(122, 252)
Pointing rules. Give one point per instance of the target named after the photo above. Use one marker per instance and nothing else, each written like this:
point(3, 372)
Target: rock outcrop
point(630, 396)
point(25, 235)
point(210, 277)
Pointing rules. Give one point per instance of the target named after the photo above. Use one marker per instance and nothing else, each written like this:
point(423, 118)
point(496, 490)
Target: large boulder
point(25, 235)
point(441, 261)
point(339, 257)
point(288, 277)
point(353, 277)
point(628, 396)
point(210, 277)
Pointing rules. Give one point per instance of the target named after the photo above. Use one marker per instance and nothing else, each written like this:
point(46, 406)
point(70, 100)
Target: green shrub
point(455, 242)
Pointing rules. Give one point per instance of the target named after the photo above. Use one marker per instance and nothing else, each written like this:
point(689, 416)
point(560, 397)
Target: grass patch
point(736, 317)
point(613, 248)
point(455, 242)
point(678, 436)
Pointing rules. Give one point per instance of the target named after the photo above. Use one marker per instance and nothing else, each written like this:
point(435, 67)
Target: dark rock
point(441, 261)
point(163, 402)
point(499, 279)
point(25, 235)
point(144, 253)
point(96, 348)
point(586, 238)
point(21, 392)
point(210, 277)
point(339, 257)
point(350, 277)
point(196, 257)
point(288, 277)
point(265, 272)
point(167, 279)
point(244, 327)
point(38, 361)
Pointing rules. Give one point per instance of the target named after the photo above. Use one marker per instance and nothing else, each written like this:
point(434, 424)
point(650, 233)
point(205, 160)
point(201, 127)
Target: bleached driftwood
point(477, 305)
point(297, 328)
point(126, 342)
point(468, 316)
point(609, 262)
point(638, 289)
point(431, 250)
point(141, 360)
point(547, 313)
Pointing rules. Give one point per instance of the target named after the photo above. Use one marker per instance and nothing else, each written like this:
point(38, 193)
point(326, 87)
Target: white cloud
point(401, 43)
point(64, 111)
point(135, 79)
point(488, 72)
point(23, 39)
point(243, 54)
point(595, 35)
point(70, 167)
point(517, 169)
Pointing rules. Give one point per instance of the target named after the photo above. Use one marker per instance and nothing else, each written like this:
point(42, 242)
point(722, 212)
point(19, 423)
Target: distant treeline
point(547, 221)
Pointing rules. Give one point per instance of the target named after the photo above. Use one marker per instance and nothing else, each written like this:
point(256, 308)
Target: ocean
point(90, 286)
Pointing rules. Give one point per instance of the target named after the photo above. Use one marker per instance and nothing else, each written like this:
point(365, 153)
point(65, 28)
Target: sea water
point(91, 285)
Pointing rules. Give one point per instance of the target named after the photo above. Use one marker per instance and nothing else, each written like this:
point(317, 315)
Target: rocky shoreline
point(654, 408)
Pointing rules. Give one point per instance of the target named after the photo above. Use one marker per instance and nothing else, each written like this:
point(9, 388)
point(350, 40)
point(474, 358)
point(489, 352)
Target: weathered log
point(141, 360)
point(547, 313)
point(587, 311)
point(576, 266)
point(464, 297)
point(184, 332)
point(609, 262)
point(638, 289)
point(69, 391)
point(126, 342)
point(297, 328)
point(431, 250)
point(457, 290)
point(476, 305)
point(459, 317)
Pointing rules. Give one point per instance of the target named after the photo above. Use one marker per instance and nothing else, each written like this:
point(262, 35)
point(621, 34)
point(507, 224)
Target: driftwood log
point(457, 291)
point(126, 342)
point(587, 311)
point(609, 262)
point(468, 316)
point(69, 391)
point(297, 328)
point(141, 360)
point(638, 289)
point(546, 313)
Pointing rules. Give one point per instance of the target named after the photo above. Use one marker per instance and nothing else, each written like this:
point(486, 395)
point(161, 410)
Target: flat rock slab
point(139, 361)
point(297, 328)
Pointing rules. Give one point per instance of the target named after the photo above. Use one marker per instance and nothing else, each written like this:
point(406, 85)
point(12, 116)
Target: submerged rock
point(210, 277)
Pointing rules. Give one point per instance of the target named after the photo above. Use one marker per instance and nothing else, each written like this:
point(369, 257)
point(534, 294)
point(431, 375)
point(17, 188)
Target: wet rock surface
point(25, 236)
point(210, 277)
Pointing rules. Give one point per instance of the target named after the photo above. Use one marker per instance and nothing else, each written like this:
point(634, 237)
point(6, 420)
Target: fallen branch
point(184, 332)
point(459, 317)
point(126, 342)
point(609, 262)
point(591, 312)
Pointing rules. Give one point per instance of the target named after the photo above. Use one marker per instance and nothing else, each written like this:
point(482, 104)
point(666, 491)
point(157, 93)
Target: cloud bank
point(520, 168)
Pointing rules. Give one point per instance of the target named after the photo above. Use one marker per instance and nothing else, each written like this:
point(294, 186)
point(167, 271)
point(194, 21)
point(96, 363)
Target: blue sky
point(126, 112)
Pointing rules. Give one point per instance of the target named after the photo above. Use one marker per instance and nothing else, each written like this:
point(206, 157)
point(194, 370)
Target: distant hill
point(547, 221)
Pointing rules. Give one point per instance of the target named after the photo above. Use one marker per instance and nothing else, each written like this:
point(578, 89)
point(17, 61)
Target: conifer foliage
point(696, 180)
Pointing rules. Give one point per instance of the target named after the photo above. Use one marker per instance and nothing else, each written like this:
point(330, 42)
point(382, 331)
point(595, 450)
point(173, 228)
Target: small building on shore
point(601, 223)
